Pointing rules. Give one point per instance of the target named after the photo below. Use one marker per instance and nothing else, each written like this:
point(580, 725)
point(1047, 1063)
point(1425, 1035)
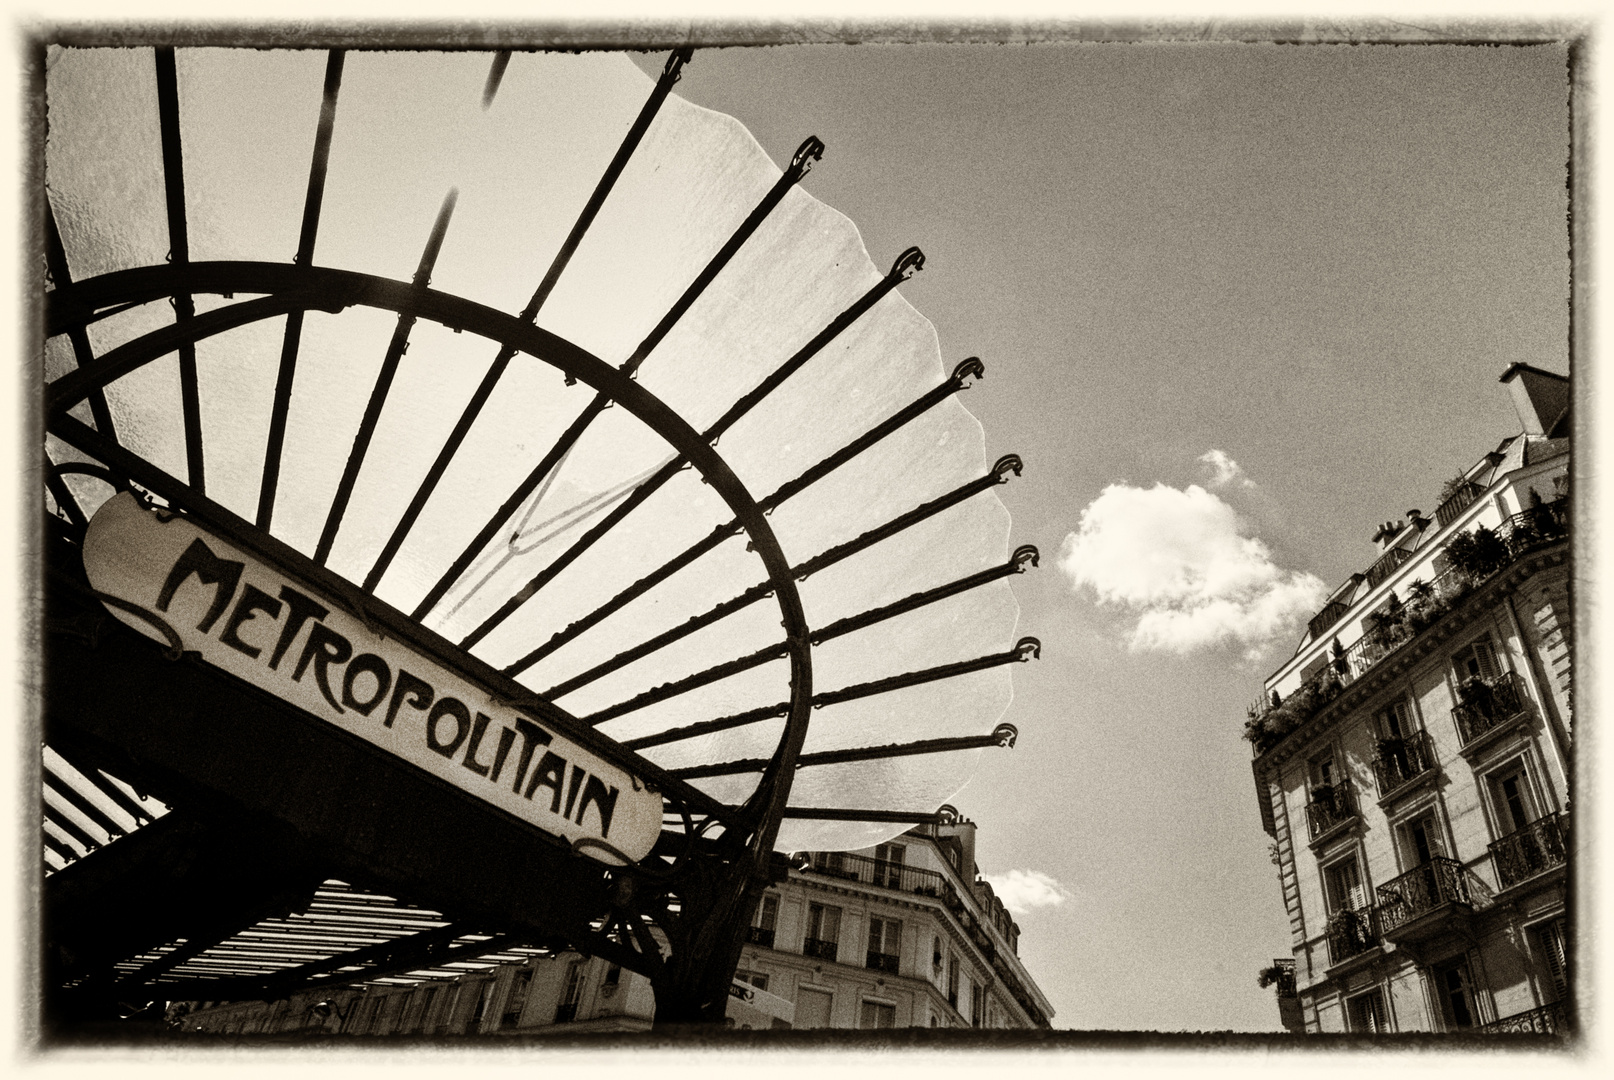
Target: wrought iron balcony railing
point(1402, 760)
point(1327, 617)
point(1488, 703)
point(1547, 1020)
point(1537, 847)
point(1544, 524)
point(1330, 805)
point(879, 961)
point(1460, 500)
point(886, 875)
point(823, 950)
point(756, 935)
point(1285, 982)
point(1350, 933)
point(1421, 890)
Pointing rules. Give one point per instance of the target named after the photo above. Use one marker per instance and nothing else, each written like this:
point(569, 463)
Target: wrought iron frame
point(725, 851)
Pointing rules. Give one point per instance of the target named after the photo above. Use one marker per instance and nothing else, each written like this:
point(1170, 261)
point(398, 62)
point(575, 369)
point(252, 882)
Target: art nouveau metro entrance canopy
point(506, 447)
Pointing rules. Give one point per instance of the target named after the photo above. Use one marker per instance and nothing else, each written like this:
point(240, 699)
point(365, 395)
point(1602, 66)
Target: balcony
point(1538, 847)
point(1418, 901)
point(1488, 707)
point(756, 935)
point(1548, 1020)
point(1327, 617)
point(823, 950)
point(1460, 500)
point(1427, 603)
point(1401, 761)
point(1350, 933)
point(878, 961)
point(1385, 565)
point(1332, 806)
point(885, 875)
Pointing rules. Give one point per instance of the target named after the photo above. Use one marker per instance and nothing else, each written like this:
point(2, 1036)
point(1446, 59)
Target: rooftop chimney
point(1539, 397)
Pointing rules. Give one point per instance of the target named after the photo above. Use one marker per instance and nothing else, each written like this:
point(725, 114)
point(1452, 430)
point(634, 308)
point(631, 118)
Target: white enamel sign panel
point(272, 631)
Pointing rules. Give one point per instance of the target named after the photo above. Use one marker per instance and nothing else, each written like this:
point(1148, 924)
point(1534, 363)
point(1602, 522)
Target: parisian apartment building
point(1413, 760)
point(904, 934)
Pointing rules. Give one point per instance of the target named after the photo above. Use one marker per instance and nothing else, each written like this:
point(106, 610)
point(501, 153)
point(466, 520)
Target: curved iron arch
point(281, 289)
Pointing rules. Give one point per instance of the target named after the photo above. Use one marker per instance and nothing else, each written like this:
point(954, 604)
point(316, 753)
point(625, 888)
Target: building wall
point(962, 923)
point(1523, 613)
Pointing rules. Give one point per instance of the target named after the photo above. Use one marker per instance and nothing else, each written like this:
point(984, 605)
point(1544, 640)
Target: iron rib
point(62, 277)
point(383, 383)
point(819, 562)
point(910, 261)
point(292, 341)
point(1023, 650)
point(723, 532)
point(1004, 735)
point(834, 630)
point(628, 367)
point(179, 253)
point(894, 817)
point(473, 409)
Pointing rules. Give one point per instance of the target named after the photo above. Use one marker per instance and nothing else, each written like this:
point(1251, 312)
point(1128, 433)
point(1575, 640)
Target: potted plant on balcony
point(1477, 554)
point(1477, 695)
point(1268, 975)
point(1325, 797)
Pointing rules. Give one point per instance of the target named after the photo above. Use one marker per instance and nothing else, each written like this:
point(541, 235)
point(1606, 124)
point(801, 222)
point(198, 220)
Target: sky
point(1237, 305)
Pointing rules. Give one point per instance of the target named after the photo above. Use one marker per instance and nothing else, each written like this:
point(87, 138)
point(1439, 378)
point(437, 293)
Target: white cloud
point(1023, 890)
point(1224, 470)
point(1176, 559)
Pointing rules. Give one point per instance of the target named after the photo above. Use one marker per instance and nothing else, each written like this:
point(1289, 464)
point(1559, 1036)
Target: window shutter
point(1552, 950)
point(1485, 659)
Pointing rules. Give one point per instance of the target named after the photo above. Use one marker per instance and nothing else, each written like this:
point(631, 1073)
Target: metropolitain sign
point(259, 624)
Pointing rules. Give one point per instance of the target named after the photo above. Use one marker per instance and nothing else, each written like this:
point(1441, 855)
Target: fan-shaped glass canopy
point(561, 367)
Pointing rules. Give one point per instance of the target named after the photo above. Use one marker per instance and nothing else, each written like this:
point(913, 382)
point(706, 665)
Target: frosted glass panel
point(410, 128)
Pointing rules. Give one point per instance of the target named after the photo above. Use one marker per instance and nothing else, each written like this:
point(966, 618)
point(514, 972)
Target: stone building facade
point(905, 934)
point(1413, 760)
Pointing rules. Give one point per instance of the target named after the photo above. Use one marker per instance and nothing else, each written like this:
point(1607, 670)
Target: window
point(1510, 794)
point(1343, 887)
point(752, 978)
point(888, 860)
point(952, 979)
point(1366, 1012)
point(936, 955)
point(812, 1007)
point(566, 1011)
point(1396, 721)
point(1478, 660)
point(823, 932)
point(885, 944)
point(977, 1006)
point(877, 1014)
point(441, 1022)
point(1322, 771)
point(1420, 841)
point(1549, 947)
point(762, 930)
point(516, 1000)
point(1455, 993)
point(613, 975)
point(482, 996)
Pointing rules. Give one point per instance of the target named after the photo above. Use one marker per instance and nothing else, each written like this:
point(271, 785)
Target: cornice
point(1501, 585)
